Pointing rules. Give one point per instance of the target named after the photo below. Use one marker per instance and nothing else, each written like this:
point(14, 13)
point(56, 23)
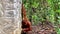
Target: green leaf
point(58, 31)
point(34, 17)
point(58, 11)
point(26, 5)
point(49, 1)
point(35, 5)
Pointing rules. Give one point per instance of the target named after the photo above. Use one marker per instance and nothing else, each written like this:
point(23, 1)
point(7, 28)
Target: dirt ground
point(43, 28)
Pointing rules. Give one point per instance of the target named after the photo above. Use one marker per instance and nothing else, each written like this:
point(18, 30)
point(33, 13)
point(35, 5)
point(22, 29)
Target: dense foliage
point(40, 10)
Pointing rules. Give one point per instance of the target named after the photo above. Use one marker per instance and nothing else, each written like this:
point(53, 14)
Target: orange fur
point(26, 24)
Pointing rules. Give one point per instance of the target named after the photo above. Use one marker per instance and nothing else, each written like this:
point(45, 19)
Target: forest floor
point(43, 28)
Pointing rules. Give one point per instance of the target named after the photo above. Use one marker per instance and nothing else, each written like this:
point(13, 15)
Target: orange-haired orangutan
point(26, 24)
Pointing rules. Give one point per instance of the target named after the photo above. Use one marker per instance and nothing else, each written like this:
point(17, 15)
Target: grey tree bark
point(10, 16)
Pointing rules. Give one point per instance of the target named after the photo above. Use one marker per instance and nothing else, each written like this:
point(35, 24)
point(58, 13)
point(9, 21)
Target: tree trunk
point(10, 16)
